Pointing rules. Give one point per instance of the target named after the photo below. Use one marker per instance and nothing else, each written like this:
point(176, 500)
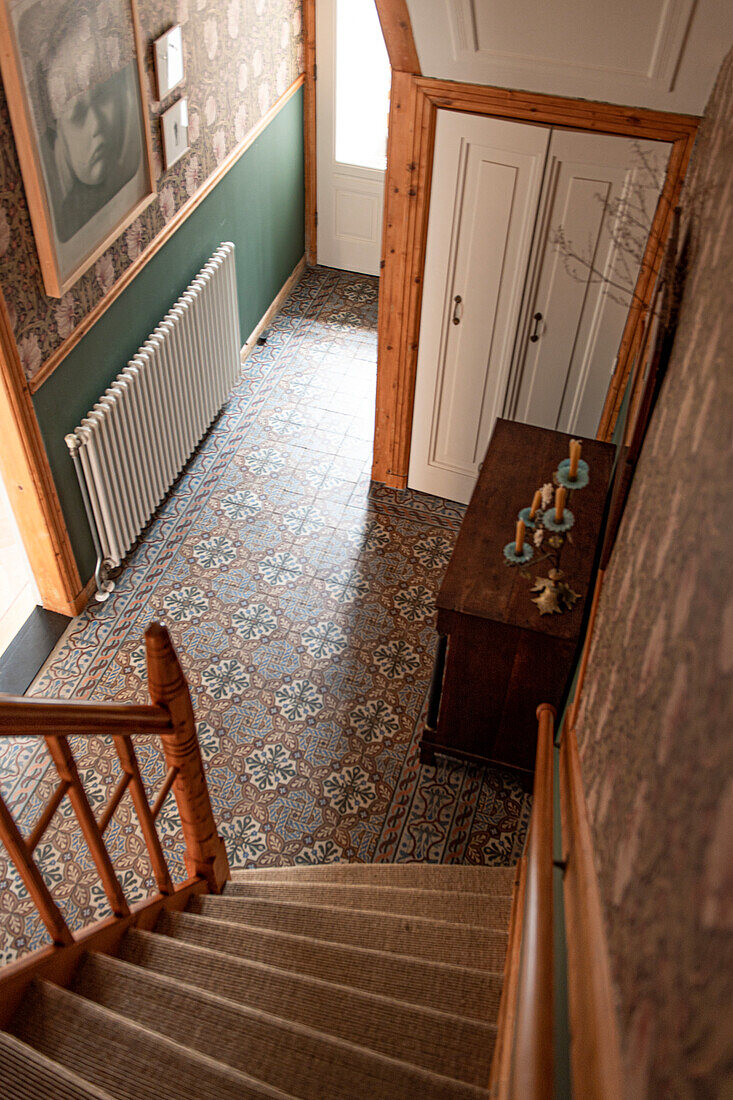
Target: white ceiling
point(662, 54)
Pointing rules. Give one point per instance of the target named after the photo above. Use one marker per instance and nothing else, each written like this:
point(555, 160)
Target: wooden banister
point(205, 852)
point(595, 1058)
point(45, 819)
point(533, 1056)
point(128, 759)
point(63, 758)
point(22, 858)
point(21, 716)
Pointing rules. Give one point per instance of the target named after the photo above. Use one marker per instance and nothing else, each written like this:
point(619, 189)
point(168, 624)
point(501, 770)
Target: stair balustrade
point(169, 717)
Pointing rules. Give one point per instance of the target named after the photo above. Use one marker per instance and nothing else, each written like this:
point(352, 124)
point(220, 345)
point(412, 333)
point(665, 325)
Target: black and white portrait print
point(81, 76)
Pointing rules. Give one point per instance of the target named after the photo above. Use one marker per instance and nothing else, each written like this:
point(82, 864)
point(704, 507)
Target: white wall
point(662, 54)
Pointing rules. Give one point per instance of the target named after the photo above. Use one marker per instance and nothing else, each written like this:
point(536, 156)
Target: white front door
point(486, 185)
point(598, 201)
point(352, 106)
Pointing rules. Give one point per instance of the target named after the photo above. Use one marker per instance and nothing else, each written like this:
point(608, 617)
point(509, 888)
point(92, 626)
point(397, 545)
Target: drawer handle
point(535, 334)
point(457, 311)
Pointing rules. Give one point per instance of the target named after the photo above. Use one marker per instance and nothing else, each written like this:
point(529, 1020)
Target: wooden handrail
point(533, 1057)
point(21, 716)
point(595, 1059)
point(205, 852)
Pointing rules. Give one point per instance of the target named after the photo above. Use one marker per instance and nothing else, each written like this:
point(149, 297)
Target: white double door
point(511, 324)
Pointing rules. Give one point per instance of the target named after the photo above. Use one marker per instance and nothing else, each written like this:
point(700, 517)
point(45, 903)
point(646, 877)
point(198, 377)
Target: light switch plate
point(169, 61)
point(174, 124)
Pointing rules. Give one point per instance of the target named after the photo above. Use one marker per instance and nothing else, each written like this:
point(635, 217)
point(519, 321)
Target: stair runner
point(341, 980)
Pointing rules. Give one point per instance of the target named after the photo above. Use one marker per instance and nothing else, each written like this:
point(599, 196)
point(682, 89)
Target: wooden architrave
point(394, 18)
point(309, 130)
point(413, 113)
point(29, 482)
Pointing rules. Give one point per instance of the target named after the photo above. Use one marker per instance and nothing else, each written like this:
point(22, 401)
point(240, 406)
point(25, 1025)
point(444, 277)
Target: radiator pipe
point(105, 586)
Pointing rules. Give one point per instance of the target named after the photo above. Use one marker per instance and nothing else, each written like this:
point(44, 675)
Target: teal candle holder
point(562, 474)
point(513, 558)
point(551, 524)
point(524, 514)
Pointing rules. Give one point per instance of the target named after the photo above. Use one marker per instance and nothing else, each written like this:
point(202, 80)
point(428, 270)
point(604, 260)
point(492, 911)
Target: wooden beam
point(413, 111)
point(405, 208)
point(29, 482)
point(309, 131)
point(398, 37)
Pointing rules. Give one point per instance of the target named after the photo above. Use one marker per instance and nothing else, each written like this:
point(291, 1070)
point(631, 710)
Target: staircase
point(339, 980)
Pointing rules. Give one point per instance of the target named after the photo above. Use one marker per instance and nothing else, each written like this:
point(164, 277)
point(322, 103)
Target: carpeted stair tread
point(464, 990)
point(29, 1075)
point(489, 910)
point(423, 876)
point(129, 1061)
point(416, 936)
point(289, 1056)
point(433, 1039)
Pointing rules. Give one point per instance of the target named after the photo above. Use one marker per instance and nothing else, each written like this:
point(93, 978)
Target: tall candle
point(560, 495)
point(574, 459)
point(535, 504)
point(520, 537)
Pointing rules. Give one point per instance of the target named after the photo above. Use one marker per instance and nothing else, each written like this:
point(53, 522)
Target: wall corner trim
point(46, 369)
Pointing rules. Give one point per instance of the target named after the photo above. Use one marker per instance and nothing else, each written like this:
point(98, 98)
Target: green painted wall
point(259, 205)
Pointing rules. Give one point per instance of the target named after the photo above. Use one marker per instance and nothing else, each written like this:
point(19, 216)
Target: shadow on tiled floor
point(301, 599)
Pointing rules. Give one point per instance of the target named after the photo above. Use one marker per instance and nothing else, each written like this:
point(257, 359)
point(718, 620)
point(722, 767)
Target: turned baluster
point(205, 852)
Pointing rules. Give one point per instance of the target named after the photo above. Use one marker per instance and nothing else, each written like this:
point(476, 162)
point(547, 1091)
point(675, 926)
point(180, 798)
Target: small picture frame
point(174, 126)
point(169, 61)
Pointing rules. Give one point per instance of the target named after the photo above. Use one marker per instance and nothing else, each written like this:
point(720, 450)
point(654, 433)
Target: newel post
point(205, 852)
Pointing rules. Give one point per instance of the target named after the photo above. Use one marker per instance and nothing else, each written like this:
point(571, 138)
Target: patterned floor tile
point(301, 599)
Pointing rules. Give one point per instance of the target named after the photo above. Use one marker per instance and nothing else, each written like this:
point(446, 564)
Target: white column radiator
point(129, 449)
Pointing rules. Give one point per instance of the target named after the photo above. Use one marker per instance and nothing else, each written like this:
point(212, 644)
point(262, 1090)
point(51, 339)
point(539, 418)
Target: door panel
point(351, 124)
point(561, 378)
point(486, 185)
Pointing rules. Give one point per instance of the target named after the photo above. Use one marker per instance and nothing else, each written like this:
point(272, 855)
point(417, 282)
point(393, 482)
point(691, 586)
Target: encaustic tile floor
point(301, 600)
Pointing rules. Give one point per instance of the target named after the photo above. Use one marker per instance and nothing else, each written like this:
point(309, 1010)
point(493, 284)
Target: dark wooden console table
point(497, 657)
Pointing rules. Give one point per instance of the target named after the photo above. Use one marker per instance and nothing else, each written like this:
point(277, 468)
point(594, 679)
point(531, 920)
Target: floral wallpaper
point(657, 713)
point(240, 56)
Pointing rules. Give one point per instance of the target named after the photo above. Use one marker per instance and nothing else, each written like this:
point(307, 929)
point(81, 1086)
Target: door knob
point(457, 311)
point(535, 332)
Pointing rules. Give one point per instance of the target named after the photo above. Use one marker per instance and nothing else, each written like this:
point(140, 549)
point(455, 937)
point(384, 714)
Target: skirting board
point(275, 307)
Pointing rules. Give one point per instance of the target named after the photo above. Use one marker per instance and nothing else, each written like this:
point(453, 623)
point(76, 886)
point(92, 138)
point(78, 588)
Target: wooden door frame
point(414, 104)
point(30, 485)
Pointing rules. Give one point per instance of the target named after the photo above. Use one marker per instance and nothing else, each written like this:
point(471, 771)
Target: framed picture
point(169, 61)
point(74, 83)
point(174, 124)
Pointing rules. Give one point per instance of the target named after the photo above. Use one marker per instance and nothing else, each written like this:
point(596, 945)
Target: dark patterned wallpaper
point(656, 723)
point(240, 56)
